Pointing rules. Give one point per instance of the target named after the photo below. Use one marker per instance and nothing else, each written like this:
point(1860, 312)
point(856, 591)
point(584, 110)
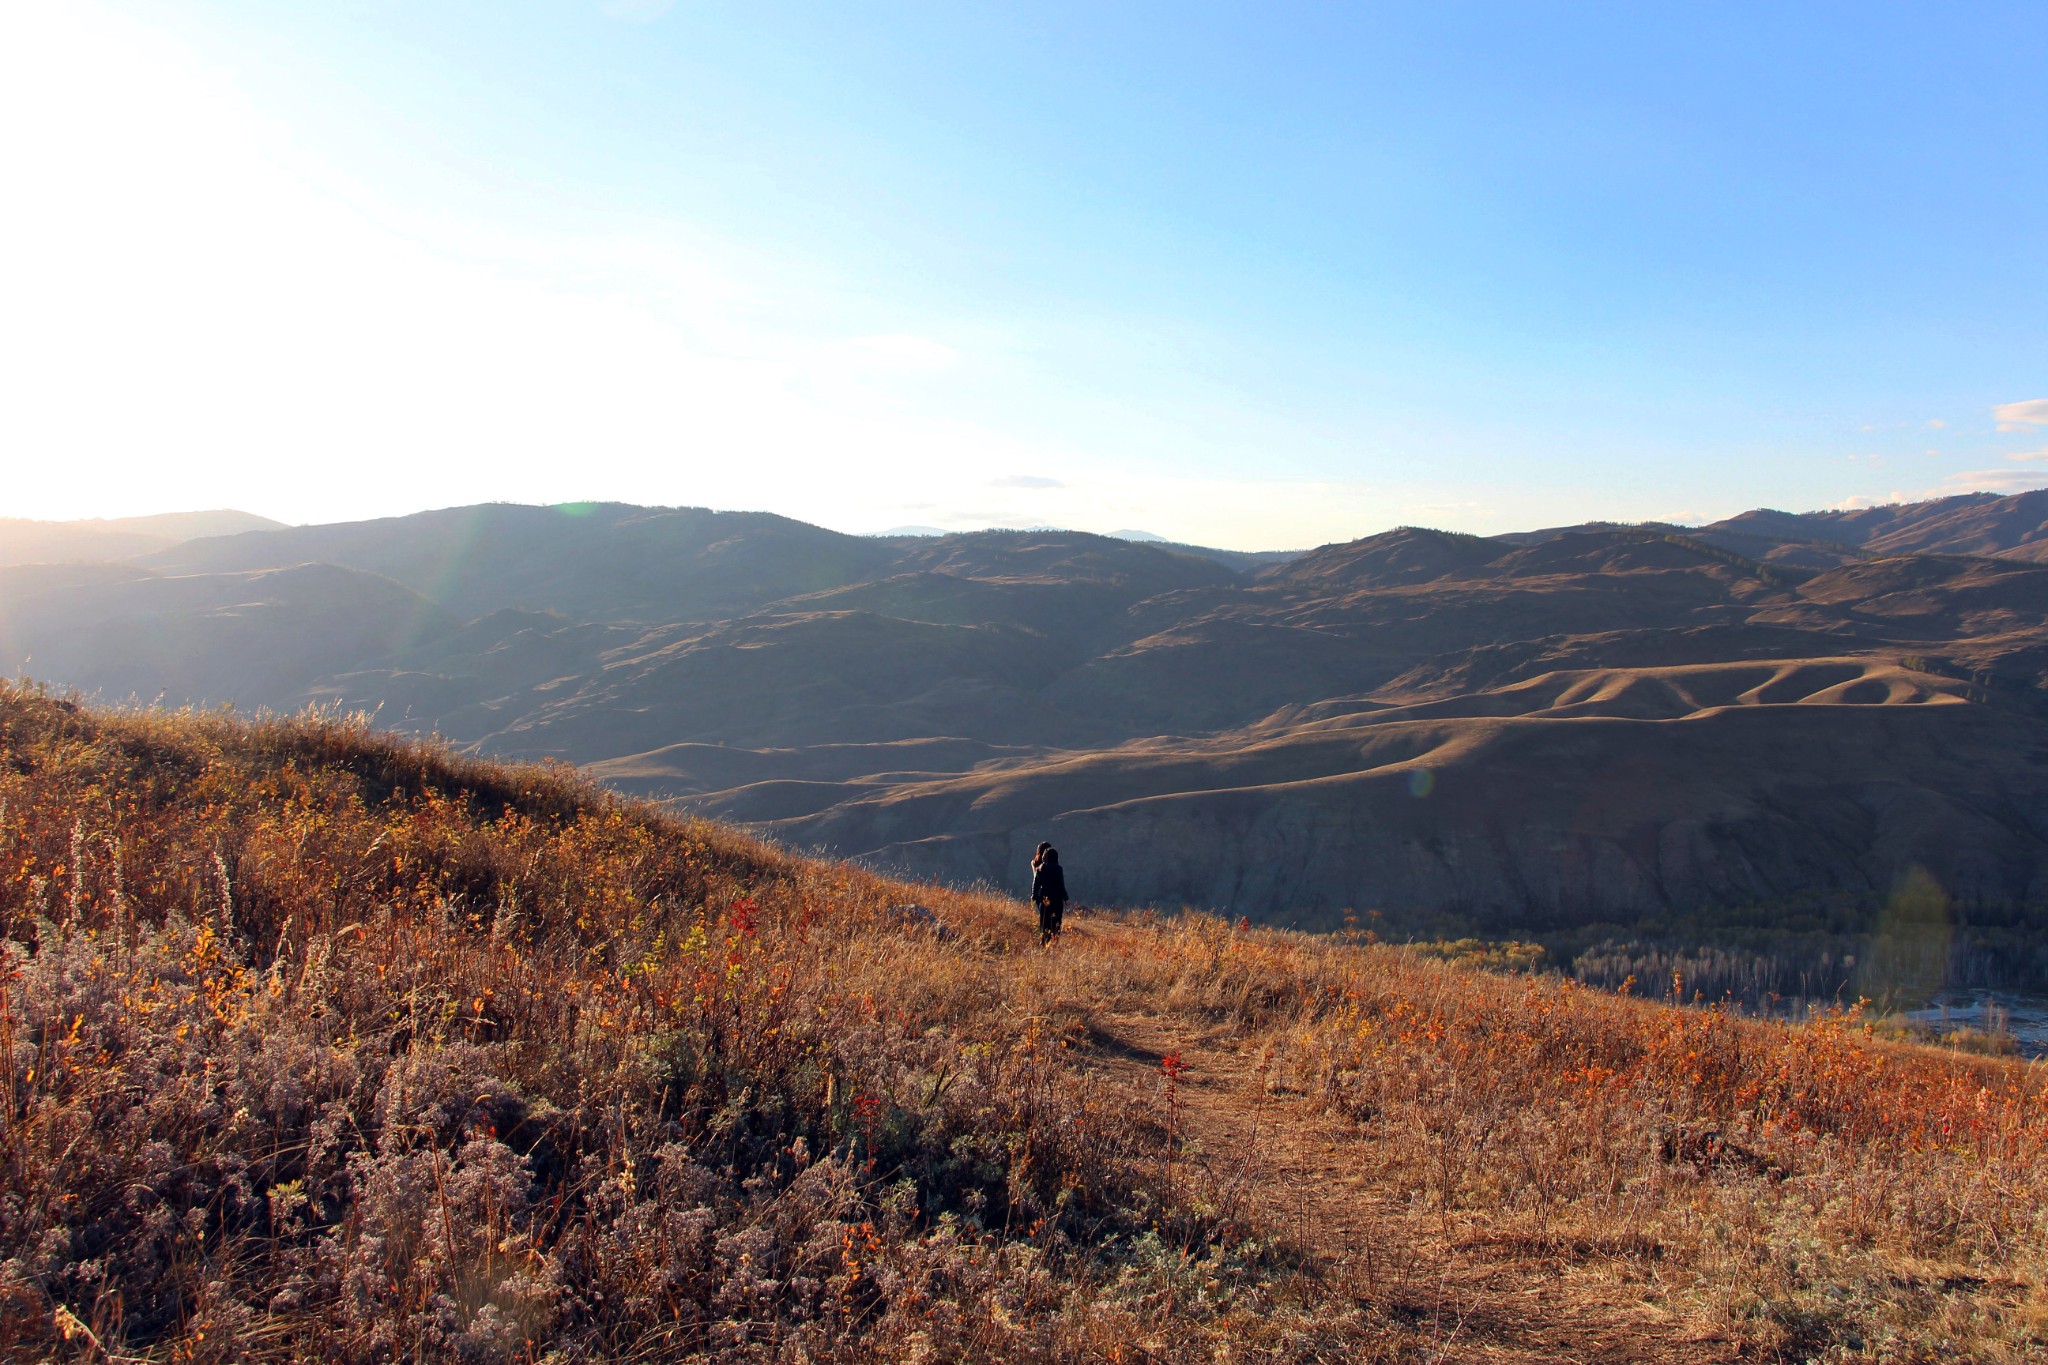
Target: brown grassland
point(320, 1043)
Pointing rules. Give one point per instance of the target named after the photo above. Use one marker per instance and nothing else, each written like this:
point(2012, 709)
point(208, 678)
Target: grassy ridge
point(330, 1041)
point(318, 1042)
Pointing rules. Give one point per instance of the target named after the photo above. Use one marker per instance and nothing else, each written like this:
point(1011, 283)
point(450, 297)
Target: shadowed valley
point(1786, 716)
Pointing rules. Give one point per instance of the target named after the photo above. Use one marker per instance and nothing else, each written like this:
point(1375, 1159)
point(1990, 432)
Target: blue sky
point(1251, 275)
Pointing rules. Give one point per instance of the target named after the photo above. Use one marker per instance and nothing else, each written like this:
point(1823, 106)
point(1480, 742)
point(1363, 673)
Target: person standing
point(1048, 892)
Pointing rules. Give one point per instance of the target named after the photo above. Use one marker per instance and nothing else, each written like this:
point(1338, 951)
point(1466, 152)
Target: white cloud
point(1026, 481)
point(2000, 481)
point(1936, 424)
point(2032, 412)
point(1991, 481)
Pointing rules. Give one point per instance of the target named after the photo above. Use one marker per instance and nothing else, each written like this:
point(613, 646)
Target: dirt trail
point(1308, 1175)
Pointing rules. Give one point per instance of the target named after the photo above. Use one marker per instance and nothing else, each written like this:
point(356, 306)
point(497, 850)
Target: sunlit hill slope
point(1776, 721)
point(320, 1043)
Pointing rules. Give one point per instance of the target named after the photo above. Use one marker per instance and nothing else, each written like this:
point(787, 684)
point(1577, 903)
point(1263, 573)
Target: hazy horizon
point(1245, 278)
point(1139, 535)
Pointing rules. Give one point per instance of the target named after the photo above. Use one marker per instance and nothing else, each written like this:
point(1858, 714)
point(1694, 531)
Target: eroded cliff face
point(1525, 823)
point(1565, 726)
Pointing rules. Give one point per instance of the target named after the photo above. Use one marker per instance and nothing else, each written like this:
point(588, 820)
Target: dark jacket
point(1049, 883)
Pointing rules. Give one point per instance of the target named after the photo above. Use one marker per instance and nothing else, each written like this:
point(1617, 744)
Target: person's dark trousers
point(1050, 913)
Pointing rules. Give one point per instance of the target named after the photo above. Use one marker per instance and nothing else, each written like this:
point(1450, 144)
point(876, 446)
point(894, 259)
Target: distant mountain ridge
point(41, 542)
point(2013, 526)
point(1457, 729)
point(605, 560)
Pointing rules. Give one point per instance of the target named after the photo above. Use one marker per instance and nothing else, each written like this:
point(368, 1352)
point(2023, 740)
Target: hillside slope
point(101, 539)
point(1614, 796)
point(603, 561)
point(939, 703)
point(319, 1043)
point(1964, 524)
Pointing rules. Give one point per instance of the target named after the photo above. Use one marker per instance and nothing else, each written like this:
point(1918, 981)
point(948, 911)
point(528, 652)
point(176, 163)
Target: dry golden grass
point(317, 1042)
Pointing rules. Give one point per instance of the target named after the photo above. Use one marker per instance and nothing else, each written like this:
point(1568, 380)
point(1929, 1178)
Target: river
point(2025, 1017)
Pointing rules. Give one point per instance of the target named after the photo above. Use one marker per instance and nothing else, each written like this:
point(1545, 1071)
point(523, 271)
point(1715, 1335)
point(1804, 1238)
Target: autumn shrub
point(322, 1043)
point(1804, 1180)
point(1807, 1191)
point(318, 1040)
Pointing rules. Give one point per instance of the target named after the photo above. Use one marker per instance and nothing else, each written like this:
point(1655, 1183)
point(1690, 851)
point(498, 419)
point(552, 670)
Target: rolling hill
point(44, 542)
point(1783, 715)
point(321, 1043)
